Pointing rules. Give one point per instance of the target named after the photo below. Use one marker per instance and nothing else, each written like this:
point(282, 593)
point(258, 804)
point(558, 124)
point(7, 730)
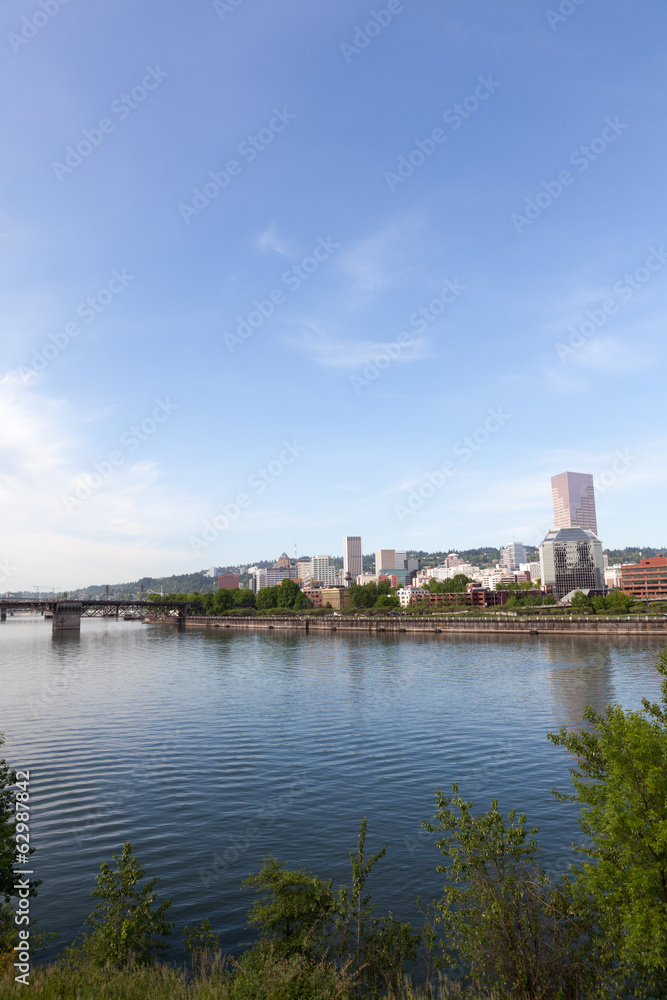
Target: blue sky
point(494, 165)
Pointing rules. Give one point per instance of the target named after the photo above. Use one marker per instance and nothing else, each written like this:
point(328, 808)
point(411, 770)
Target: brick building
point(648, 580)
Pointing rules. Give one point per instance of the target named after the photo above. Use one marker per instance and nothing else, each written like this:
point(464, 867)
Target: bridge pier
point(3, 614)
point(67, 617)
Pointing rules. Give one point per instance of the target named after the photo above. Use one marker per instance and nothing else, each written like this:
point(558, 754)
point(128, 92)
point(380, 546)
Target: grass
point(271, 979)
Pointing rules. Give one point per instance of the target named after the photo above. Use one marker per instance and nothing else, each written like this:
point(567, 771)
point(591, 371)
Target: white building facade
point(323, 569)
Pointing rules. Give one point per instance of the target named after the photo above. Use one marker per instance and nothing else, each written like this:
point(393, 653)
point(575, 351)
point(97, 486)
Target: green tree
point(266, 598)
point(127, 923)
point(301, 602)
point(376, 947)
point(11, 818)
point(223, 600)
point(619, 603)
point(457, 585)
point(243, 598)
point(515, 931)
point(8, 853)
point(387, 601)
point(620, 784)
point(202, 945)
point(363, 595)
point(292, 908)
point(8, 856)
point(287, 593)
point(581, 603)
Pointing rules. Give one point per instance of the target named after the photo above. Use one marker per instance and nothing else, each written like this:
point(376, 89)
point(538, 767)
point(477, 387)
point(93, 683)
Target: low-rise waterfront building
point(647, 579)
point(314, 595)
point(336, 597)
point(613, 577)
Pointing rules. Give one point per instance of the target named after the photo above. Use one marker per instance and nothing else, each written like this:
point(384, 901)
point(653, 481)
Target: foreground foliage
point(127, 925)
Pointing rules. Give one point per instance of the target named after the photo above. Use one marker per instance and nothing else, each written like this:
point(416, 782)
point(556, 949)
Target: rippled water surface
point(209, 751)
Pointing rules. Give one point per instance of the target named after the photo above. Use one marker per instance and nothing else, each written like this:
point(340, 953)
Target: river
point(209, 750)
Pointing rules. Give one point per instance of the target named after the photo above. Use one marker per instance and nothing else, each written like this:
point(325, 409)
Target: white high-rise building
point(304, 569)
point(513, 556)
point(353, 562)
point(322, 568)
point(401, 559)
point(531, 567)
point(574, 501)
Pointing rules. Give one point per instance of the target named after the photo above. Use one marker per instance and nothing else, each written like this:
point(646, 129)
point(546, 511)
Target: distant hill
point(631, 554)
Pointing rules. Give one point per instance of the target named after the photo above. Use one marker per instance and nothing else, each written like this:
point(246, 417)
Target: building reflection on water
point(597, 671)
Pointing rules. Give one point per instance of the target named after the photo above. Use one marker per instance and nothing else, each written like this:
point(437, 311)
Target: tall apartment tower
point(353, 563)
point(574, 501)
point(323, 569)
point(512, 557)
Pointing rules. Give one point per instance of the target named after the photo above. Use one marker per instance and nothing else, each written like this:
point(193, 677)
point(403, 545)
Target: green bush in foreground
point(127, 926)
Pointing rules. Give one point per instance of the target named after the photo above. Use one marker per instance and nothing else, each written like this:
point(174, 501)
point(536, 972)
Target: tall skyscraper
point(353, 563)
point(512, 557)
point(574, 501)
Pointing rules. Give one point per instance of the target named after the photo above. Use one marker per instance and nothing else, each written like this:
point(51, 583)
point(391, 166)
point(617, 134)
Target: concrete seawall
point(593, 625)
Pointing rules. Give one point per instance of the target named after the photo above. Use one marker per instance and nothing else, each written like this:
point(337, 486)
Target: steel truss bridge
point(67, 614)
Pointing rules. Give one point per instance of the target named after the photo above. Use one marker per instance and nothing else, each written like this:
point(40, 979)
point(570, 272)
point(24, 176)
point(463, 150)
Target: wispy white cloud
point(332, 351)
point(609, 356)
point(382, 260)
point(270, 240)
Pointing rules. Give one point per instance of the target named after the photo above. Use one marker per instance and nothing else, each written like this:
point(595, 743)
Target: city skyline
point(258, 283)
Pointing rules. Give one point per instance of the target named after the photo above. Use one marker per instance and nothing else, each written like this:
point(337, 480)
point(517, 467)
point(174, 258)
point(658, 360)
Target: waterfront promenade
point(521, 624)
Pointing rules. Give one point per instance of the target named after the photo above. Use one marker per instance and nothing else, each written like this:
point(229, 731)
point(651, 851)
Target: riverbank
point(520, 625)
